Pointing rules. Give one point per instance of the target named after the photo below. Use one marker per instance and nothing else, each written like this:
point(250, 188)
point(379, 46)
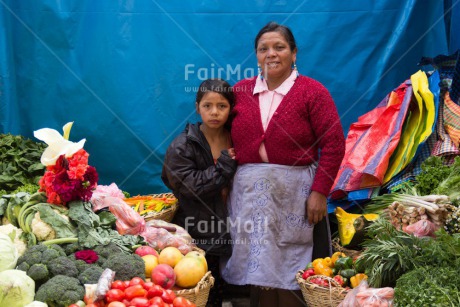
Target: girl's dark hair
point(218, 86)
point(275, 27)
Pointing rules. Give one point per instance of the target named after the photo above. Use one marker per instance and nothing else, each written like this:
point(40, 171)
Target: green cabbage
point(8, 253)
point(16, 288)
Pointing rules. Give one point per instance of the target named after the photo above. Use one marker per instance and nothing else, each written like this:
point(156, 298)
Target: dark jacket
point(189, 171)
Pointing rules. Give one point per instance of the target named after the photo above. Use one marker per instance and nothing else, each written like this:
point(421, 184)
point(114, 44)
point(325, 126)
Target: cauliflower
point(20, 245)
point(42, 230)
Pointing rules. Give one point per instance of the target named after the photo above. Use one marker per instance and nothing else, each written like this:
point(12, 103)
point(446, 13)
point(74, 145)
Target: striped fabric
point(451, 114)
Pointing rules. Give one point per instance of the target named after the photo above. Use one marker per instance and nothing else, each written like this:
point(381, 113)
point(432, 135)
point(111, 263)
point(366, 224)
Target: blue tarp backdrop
point(126, 72)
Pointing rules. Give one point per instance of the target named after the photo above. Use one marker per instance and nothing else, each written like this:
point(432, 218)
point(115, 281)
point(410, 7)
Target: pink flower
point(87, 255)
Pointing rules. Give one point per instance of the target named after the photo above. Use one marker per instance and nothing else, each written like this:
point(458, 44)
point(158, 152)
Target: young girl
point(198, 167)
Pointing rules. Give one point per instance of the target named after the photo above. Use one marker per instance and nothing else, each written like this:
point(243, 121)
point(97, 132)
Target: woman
point(198, 167)
point(282, 120)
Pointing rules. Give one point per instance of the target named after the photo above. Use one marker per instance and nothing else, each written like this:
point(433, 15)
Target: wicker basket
point(166, 215)
point(198, 295)
point(317, 296)
point(339, 248)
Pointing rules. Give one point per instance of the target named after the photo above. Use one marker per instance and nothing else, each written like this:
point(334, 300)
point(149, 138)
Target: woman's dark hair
point(218, 86)
point(275, 27)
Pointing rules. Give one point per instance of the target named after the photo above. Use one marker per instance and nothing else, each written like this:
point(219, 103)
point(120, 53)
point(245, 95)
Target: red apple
point(146, 250)
point(164, 276)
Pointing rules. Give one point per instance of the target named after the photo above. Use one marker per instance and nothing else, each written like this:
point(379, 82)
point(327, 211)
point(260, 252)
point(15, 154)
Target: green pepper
point(309, 266)
point(334, 271)
point(344, 263)
point(347, 273)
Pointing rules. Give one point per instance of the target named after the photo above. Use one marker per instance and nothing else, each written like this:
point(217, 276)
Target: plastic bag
point(382, 297)
point(128, 221)
point(98, 199)
point(160, 234)
point(363, 296)
point(422, 228)
point(350, 299)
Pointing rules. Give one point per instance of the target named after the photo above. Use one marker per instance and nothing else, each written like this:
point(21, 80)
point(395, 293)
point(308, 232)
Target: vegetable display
point(19, 162)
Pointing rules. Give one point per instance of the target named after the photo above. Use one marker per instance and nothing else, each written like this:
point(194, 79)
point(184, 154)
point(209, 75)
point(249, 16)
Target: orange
point(170, 256)
point(200, 257)
point(189, 271)
point(150, 263)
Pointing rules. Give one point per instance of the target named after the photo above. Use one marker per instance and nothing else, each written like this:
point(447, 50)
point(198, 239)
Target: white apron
point(271, 238)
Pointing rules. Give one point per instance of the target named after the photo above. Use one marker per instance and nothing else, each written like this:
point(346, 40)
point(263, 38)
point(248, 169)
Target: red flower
point(78, 165)
point(87, 255)
point(69, 179)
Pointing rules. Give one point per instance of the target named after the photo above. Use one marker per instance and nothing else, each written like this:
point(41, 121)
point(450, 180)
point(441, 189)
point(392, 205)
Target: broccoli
point(126, 266)
point(49, 255)
point(60, 291)
point(71, 248)
point(24, 266)
point(100, 261)
point(39, 273)
point(91, 275)
point(63, 266)
point(82, 265)
point(105, 251)
point(32, 255)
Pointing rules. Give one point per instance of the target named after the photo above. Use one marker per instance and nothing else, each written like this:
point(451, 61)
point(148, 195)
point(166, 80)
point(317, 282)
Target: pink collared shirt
point(269, 102)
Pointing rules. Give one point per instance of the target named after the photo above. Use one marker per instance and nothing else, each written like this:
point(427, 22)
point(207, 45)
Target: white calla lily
point(57, 144)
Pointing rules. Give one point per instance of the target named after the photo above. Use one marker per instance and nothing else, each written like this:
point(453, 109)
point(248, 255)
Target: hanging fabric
point(371, 142)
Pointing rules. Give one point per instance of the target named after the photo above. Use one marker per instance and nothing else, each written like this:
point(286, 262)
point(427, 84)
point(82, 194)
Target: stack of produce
point(150, 204)
point(422, 270)
point(339, 267)
point(408, 209)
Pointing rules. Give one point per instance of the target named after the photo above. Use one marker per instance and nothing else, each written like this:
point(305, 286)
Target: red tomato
point(126, 282)
point(135, 291)
point(116, 304)
point(118, 284)
point(114, 295)
point(155, 290)
point(136, 281)
point(182, 302)
point(148, 285)
point(168, 296)
point(74, 305)
point(140, 302)
point(157, 301)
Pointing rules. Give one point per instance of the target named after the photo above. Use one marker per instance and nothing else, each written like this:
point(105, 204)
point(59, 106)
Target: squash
point(352, 227)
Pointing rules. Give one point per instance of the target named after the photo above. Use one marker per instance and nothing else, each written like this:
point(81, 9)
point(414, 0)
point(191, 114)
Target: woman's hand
point(231, 153)
point(316, 207)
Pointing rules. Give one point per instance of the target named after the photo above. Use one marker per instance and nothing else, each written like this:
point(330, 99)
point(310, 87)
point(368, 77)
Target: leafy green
point(391, 253)
point(28, 188)
point(438, 178)
point(429, 286)
point(93, 232)
point(19, 161)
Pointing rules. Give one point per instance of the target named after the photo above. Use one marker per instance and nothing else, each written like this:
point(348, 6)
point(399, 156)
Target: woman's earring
point(296, 71)
point(259, 71)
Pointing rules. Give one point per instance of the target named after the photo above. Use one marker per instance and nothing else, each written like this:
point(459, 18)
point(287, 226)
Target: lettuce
point(16, 288)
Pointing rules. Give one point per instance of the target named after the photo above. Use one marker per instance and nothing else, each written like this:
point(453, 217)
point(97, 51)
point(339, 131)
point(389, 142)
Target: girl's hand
point(231, 152)
point(316, 207)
